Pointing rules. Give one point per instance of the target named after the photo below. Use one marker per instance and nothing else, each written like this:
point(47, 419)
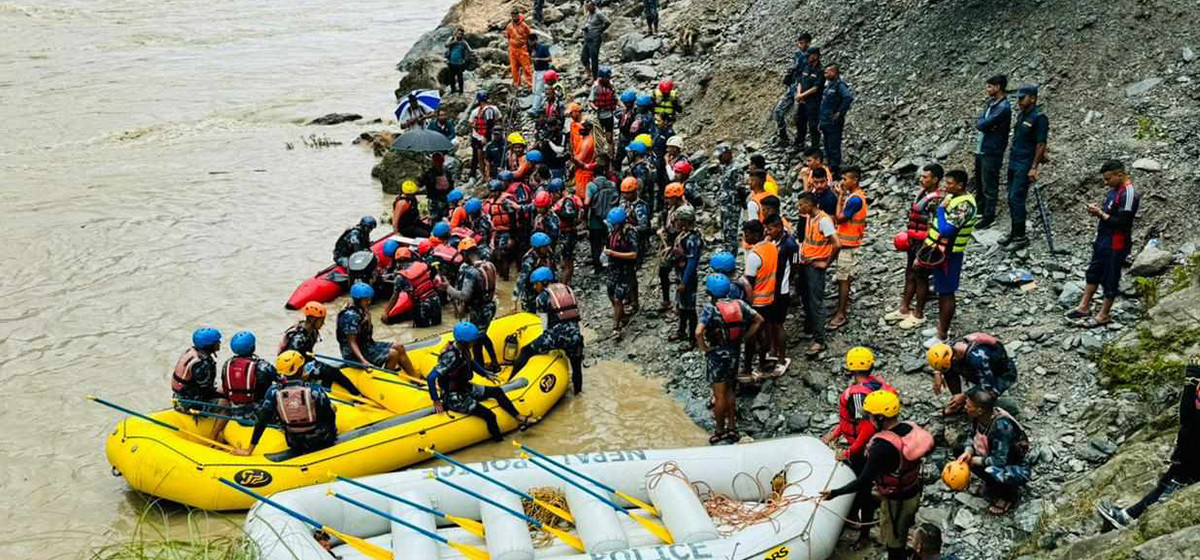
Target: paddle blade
point(649, 508)
point(656, 529)
point(557, 511)
point(565, 537)
point(372, 550)
point(469, 551)
point(470, 525)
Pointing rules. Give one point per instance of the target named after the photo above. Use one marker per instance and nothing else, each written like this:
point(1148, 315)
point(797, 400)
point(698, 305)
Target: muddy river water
point(146, 188)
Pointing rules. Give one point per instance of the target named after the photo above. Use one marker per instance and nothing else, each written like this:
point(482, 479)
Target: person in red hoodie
point(854, 425)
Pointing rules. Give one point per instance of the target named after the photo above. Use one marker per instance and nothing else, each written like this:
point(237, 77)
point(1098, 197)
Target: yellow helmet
point(939, 356)
point(289, 363)
point(882, 403)
point(516, 138)
point(644, 139)
point(409, 187)
point(860, 358)
point(957, 475)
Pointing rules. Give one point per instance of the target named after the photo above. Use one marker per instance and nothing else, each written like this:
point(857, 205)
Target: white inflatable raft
point(798, 530)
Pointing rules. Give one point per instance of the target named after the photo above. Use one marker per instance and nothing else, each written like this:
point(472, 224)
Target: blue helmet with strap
point(390, 246)
point(242, 343)
point(465, 331)
point(555, 185)
point(473, 206)
point(616, 216)
point(441, 230)
point(542, 274)
point(539, 240)
point(534, 156)
point(454, 196)
point(723, 262)
point(205, 336)
point(368, 222)
point(362, 290)
point(717, 285)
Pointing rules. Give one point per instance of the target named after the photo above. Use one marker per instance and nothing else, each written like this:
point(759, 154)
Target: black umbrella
point(422, 141)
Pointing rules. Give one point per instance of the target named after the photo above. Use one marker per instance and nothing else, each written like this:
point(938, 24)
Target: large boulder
point(635, 47)
point(397, 167)
point(422, 74)
point(432, 42)
point(1152, 261)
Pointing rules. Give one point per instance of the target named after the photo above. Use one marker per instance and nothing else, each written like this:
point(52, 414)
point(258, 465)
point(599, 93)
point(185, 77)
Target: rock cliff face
point(1119, 79)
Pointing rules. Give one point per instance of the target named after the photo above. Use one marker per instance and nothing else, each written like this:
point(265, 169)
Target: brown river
point(146, 189)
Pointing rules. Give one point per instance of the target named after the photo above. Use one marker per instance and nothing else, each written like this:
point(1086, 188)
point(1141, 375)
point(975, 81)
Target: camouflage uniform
point(548, 224)
point(639, 216)
point(622, 273)
point(731, 195)
point(723, 359)
point(523, 289)
point(559, 335)
point(481, 306)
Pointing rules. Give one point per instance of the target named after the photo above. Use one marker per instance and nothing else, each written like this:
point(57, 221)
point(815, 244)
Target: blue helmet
point(389, 247)
point(466, 332)
point(454, 196)
point(242, 343)
point(534, 156)
point(645, 100)
point(539, 239)
point(367, 222)
point(616, 216)
point(481, 96)
point(505, 176)
point(473, 206)
point(542, 274)
point(628, 96)
point(495, 185)
point(723, 262)
point(717, 285)
point(205, 337)
point(555, 185)
point(604, 72)
point(362, 290)
point(636, 147)
point(441, 230)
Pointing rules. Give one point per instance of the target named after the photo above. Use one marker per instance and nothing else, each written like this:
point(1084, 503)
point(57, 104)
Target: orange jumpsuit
point(585, 152)
point(517, 35)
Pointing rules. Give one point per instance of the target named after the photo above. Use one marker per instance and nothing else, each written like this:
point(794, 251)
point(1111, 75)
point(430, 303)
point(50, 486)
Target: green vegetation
point(1152, 290)
point(1148, 129)
point(152, 541)
point(1149, 363)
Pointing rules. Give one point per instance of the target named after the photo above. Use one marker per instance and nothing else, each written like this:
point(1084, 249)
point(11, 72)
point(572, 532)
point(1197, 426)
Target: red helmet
point(425, 247)
point(550, 76)
point(901, 241)
point(542, 199)
point(682, 166)
point(665, 85)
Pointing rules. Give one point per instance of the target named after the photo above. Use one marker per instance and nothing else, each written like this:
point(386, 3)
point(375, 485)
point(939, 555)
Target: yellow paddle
point(645, 506)
point(557, 511)
point(362, 545)
point(139, 415)
point(472, 526)
point(561, 534)
point(471, 552)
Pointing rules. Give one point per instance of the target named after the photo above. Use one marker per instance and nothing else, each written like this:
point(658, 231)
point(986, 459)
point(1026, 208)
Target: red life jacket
point(912, 448)
point(606, 97)
point(562, 303)
point(567, 220)
point(419, 276)
point(239, 377)
point(296, 408)
point(1020, 444)
point(182, 376)
point(733, 324)
point(488, 271)
point(847, 424)
point(448, 254)
point(918, 219)
point(461, 233)
point(978, 338)
point(500, 210)
point(482, 124)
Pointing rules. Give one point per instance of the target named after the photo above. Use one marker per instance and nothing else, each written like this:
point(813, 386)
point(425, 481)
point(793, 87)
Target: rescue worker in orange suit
point(245, 377)
point(894, 457)
point(421, 282)
point(584, 157)
point(851, 220)
point(980, 358)
point(517, 34)
point(560, 311)
point(195, 376)
point(303, 409)
point(450, 386)
point(476, 290)
point(722, 327)
point(854, 425)
point(998, 450)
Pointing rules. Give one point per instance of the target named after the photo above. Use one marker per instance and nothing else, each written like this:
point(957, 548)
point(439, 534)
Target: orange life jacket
point(763, 292)
point(182, 375)
point(912, 448)
point(239, 378)
point(816, 246)
point(850, 232)
point(296, 408)
point(562, 303)
point(500, 209)
point(758, 198)
point(419, 276)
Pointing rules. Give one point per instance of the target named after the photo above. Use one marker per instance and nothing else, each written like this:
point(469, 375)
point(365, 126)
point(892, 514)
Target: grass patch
point(1149, 129)
point(154, 541)
point(1148, 364)
point(1152, 290)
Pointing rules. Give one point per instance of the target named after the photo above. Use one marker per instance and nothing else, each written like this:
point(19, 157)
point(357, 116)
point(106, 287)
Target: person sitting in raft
point(303, 409)
point(353, 240)
point(557, 303)
point(303, 337)
point(451, 389)
point(420, 281)
point(355, 335)
point(195, 375)
point(245, 377)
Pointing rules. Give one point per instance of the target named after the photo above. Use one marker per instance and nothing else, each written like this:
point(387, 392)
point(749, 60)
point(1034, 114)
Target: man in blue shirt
point(808, 100)
point(992, 125)
point(1028, 152)
point(1113, 243)
point(835, 104)
point(791, 81)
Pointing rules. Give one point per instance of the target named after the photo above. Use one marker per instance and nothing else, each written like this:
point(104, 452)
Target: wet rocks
point(1147, 164)
point(336, 118)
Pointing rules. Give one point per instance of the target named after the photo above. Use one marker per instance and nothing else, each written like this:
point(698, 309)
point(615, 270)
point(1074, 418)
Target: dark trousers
point(329, 375)
point(987, 184)
point(490, 417)
point(807, 120)
point(596, 239)
point(664, 281)
point(1018, 194)
point(485, 343)
point(865, 504)
point(538, 7)
point(833, 146)
point(591, 55)
point(1167, 485)
point(814, 302)
point(456, 77)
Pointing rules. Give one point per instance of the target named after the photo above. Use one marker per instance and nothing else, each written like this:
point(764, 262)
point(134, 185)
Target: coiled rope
point(554, 497)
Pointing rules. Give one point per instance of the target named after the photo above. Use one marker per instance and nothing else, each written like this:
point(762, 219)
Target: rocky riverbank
point(1118, 80)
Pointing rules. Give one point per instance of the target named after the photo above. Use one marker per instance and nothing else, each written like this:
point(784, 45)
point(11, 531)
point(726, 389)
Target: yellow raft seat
point(371, 439)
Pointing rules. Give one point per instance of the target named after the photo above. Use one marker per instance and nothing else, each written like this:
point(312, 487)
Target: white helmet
point(675, 141)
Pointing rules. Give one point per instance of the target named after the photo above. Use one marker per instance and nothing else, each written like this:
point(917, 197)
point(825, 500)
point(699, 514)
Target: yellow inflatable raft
point(371, 439)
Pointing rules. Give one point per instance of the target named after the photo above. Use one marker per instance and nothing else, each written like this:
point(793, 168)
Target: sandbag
point(598, 524)
point(682, 512)
point(407, 543)
point(507, 536)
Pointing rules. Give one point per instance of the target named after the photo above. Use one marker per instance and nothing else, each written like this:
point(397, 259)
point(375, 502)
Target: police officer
point(195, 375)
point(791, 81)
point(502, 210)
point(451, 389)
point(980, 358)
point(245, 377)
point(725, 263)
point(353, 240)
point(835, 104)
point(303, 409)
point(476, 290)
point(621, 256)
point(1026, 154)
point(355, 334)
point(420, 281)
point(723, 326)
point(685, 258)
point(998, 450)
point(569, 209)
point(540, 254)
point(731, 195)
point(557, 303)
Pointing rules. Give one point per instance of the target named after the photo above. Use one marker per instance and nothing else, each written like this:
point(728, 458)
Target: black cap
point(1027, 90)
point(814, 50)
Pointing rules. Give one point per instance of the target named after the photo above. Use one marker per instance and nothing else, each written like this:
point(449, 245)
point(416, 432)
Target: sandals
point(527, 422)
point(1092, 323)
point(1075, 314)
point(815, 350)
point(716, 438)
point(831, 326)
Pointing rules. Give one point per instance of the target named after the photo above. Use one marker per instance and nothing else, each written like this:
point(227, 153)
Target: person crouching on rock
point(980, 358)
point(998, 451)
point(557, 303)
point(303, 409)
point(451, 389)
point(723, 326)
